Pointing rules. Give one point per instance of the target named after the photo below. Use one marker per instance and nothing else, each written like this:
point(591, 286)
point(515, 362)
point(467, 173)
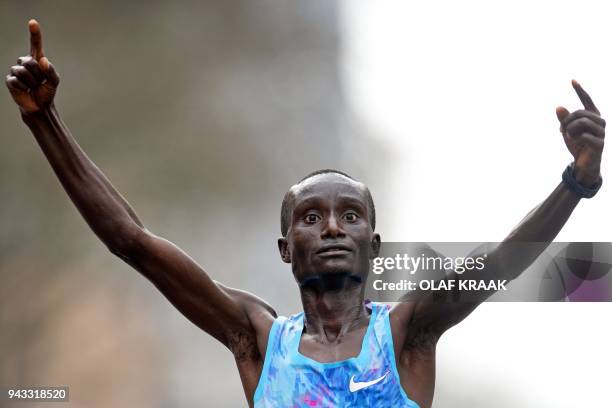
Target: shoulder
point(401, 316)
point(254, 307)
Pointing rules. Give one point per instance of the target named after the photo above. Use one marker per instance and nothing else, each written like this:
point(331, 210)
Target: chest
point(348, 346)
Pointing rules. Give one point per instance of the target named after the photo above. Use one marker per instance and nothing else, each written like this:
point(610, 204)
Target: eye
point(350, 216)
point(311, 218)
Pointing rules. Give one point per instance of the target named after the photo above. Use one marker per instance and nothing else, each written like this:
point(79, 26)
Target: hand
point(33, 82)
point(583, 131)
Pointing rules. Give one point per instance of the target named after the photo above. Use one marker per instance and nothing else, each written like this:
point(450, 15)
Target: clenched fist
point(33, 81)
point(583, 131)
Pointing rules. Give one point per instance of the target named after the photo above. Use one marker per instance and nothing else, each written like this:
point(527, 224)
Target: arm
point(583, 132)
point(225, 313)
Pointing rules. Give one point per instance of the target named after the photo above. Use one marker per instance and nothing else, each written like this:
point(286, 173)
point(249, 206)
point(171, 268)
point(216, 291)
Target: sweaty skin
point(328, 244)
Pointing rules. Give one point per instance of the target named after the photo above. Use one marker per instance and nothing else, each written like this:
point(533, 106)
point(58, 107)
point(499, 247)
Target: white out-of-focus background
point(203, 114)
point(464, 95)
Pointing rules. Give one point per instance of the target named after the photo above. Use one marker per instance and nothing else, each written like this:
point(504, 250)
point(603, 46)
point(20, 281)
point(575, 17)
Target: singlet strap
point(275, 330)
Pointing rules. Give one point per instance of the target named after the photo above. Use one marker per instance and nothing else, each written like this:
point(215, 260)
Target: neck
point(332, 307)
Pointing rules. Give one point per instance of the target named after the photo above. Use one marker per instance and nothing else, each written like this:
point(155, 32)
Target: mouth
point(334, 249)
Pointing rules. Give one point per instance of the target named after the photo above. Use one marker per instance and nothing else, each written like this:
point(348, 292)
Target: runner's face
point(330, 229)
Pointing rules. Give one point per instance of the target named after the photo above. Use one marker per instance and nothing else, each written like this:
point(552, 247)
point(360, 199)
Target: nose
point(332, 228)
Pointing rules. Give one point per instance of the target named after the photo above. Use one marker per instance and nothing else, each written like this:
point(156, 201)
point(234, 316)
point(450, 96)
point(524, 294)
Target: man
point(339, 351)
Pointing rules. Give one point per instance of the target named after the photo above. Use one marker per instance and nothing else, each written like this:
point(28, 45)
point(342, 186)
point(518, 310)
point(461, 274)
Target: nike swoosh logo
point(356, 386)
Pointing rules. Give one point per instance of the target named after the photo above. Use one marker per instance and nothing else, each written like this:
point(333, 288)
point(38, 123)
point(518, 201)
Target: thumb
point(562, 113)
point(44, 64)
point(49, 71)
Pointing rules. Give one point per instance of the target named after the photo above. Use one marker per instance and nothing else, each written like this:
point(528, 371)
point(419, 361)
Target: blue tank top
point(292, 380)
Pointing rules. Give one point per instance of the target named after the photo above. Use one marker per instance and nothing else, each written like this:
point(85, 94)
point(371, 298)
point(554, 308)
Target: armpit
point(421, 341)
point(243, 345)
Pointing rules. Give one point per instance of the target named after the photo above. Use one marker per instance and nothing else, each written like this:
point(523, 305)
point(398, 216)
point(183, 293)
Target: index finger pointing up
point(36, 50)
point(584, 97)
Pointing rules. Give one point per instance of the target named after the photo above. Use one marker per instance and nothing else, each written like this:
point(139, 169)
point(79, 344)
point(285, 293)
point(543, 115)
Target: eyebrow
point(351, 199)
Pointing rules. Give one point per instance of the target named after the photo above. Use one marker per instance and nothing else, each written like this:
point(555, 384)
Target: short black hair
point(286, 208)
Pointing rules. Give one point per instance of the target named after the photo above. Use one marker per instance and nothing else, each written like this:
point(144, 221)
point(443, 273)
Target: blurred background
point(202, 114)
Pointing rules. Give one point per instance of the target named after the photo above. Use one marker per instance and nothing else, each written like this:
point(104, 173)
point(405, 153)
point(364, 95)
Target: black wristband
point(577, 188)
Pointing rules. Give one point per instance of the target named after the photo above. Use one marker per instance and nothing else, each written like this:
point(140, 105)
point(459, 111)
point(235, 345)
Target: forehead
point(328, 186)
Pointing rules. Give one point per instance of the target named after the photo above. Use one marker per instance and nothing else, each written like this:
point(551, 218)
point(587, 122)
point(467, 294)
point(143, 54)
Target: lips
point(334, 248)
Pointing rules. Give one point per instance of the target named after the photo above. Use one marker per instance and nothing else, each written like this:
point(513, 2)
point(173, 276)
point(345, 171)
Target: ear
point(375, 246)
point(283, 248)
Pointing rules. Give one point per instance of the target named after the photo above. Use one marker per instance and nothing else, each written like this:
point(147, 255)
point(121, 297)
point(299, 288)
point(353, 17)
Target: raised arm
point(230, 315)
point(583, 133)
